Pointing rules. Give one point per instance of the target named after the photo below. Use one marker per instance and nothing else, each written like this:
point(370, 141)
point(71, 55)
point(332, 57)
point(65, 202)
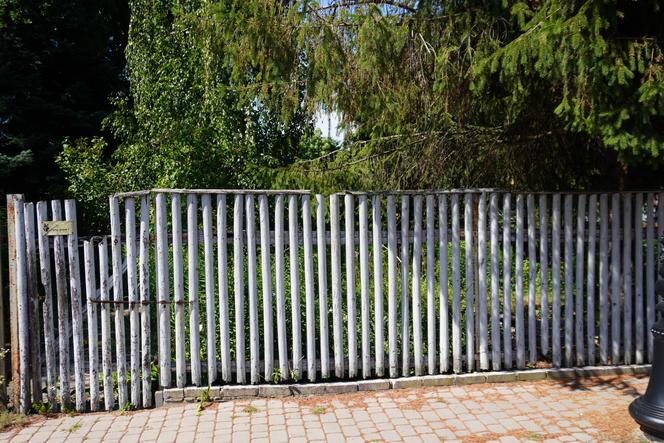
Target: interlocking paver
point(562, 410)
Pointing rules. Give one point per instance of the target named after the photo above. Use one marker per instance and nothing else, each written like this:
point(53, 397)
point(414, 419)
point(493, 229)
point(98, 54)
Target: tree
point(61, 61)
point(550, 94)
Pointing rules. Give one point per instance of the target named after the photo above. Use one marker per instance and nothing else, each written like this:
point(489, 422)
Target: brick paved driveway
point(572, 410)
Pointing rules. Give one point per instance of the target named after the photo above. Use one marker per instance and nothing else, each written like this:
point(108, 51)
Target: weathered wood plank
point(106, 342)
point(481, 283)
point(638, 279)
point(470, 281)
point(364, 284)
point(192, 286)
point(578, 299)
point(266, 275)
point(532, 276)
point(650, 270)
point(118, 297)
point(178, 290)
point(337, 325)
point(569, 282)
point(378, 285)
point(310, 307)
point(518, 308)
point(144, 290)
point(163, 308)
point(238, 284)
point(208, 264)
point(294, 265)
point(282, 339)
point(431, 300)
point(627, 277)
point(456, 286)
point(405, 326)
point(23, 307)
point(33, 302)
point(495, 283)
point(615, 278)
point(603, 279)
point(349, 219)
point(590, 280)
point(47, 305)
point(544, 274)
point(93, 331)
point(222, 277)
point(443, 294)
point(132, 295)
point(392, 255)
point(555, 281)
point(252, 290)
point(415, 285)
point(322, 287)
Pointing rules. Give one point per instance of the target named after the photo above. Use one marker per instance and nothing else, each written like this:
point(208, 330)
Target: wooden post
point(456, 287)
point(20, 361)
point(638, 278)
point(415, 287)
point(392, 254)
point(222, 274)
point(364, 285)
point(520, 333)
point(13, 298)
point(178, 289)
point(106, 340)
point(603, 279)
point(280, 292)
point(163, 309)
point(627, 276)
point(615, 279)
point(337, 326)
point(470, 282)
point(47, 305)
point(555, 281)
point(481, 283)
point(132, 289)
point(431, 302)
point(194, 308)
point(144, 289)
point(238, 280)
point(93, 331)
point(532, 275)
point(569, 282)
point(578, 299)
point(208, 258)
point(266, 274)
point(443, 295)
point(378, 285)
point(254, 350)
point(405, 336)
point(118, 297)
point(294, 264)
point(349, 218)
point(495, 283)
point(544, 275)
point(310, 307)
point(507, 283)
point(650, 270)
point(590, 307)
point(322, 286)
point(33, 301)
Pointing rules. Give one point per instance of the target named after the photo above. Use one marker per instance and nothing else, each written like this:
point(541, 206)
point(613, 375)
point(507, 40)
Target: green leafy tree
point(60, 62)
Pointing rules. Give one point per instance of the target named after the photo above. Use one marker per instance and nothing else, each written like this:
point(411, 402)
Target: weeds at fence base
point(9, 420)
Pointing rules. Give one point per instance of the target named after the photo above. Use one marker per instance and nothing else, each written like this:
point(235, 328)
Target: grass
point(73, 428)
point(318, 410)
point(250, 409)
point(10, 420)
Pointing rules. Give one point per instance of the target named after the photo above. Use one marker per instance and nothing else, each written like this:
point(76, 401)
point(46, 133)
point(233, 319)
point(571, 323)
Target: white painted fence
point(279, 286)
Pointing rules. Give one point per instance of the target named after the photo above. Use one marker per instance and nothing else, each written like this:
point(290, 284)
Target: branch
point(351, 3)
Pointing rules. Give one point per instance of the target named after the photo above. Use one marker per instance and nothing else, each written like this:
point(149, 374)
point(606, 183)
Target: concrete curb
point(224, 393)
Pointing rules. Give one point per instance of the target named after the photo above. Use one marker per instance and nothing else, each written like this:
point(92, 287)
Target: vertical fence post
point(349, 218)
point(590, 308)
point(555, 280)
point(208, 257)
point(470, 281)
point(13, 299)
point(337, 327)
point(64, 327)
point(532, 275)
point(650, 270)
point(33, 301)
point(134, 338)
point(266, 275)
point(415, 288)
point(93, 332)
point(520, 333)
point(627, 276)
point(603, 279)
point(294, 264)
point(495, 283)
point(392, 254)
point(507, 282)
point(544, 274)
point(310, 307)
point(378, 285)
point(144, 289)
point(238, 280)
point(222, 273)
point(578, 299)
point(282, 338)
point(105, 325)
point(20, 362)
point(364, 284)
point(192, 283)
point(47, 305)
point(164, 324)
point(252, 289)
point(569, 281)
point(405, 336)
point(322, 287)
point(443, 295)
point(615, 279)
point(116, 255)
point(431, 302)
point(456, 286)
point(178, 289)
point(638, 277)
point(481, 283)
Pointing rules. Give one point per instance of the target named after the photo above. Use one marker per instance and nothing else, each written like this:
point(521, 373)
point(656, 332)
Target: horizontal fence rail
point(202, 287)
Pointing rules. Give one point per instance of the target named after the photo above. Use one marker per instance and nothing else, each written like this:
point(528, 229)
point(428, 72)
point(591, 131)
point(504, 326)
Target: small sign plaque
point(59, 227)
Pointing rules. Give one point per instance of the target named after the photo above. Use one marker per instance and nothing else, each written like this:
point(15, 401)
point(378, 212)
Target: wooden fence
point(198, 287)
